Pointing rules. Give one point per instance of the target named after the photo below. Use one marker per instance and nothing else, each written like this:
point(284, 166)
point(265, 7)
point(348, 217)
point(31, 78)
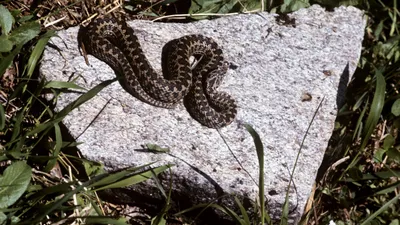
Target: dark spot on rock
point(272, 192)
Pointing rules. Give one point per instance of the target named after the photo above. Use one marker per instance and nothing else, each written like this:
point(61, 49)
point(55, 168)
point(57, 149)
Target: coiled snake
point(111, 40)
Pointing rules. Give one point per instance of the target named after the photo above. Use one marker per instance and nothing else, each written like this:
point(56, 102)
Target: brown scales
point(111, 40)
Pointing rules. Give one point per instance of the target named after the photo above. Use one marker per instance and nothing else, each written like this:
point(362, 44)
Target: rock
point(280, 72)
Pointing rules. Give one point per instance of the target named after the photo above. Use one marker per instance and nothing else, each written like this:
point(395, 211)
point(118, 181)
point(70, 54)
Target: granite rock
point(279, 74)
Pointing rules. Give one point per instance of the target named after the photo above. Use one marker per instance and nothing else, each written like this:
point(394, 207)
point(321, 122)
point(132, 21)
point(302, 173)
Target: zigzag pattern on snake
point(111, 40)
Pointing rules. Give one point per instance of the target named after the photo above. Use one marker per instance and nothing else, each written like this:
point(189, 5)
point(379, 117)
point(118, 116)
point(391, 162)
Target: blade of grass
point(376, 108)
point(114, 177)
point(96, 207)
point(52, 162)
point(285, 210)
point(158, 183)
point(58, 189)
point(394, 26)
point(381, 210)
point(373, 117)
point(135, 179)
point(38, 50)
point(260, 156)
point(62, 84)
point(49, 208)
point(392, 188)
point(231, 213)
point(17, 125)
point(359, 101)
point(159, 219)
point(243, 211)
point(205, 206)
point(82, 99)
point(357, 131)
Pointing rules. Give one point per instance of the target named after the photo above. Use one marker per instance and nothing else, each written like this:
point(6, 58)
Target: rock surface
point(275, 68)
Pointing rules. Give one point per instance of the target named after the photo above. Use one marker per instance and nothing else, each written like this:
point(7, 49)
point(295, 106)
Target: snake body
point(111, 40)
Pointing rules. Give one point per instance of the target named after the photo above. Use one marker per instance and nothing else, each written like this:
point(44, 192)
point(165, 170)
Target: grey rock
point(275, 67)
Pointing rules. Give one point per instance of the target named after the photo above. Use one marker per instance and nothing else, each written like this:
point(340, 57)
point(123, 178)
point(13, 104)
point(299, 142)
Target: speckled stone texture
point(275, 68)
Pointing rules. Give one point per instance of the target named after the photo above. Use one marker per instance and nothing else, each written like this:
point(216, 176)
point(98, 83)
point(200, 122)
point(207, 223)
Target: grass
point(42, 182)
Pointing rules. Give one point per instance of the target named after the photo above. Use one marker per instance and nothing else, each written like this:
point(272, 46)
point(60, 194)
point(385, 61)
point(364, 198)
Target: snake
point(111, 40)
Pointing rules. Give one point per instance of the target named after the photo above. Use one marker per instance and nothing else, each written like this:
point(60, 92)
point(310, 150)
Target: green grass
point(360, 190)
